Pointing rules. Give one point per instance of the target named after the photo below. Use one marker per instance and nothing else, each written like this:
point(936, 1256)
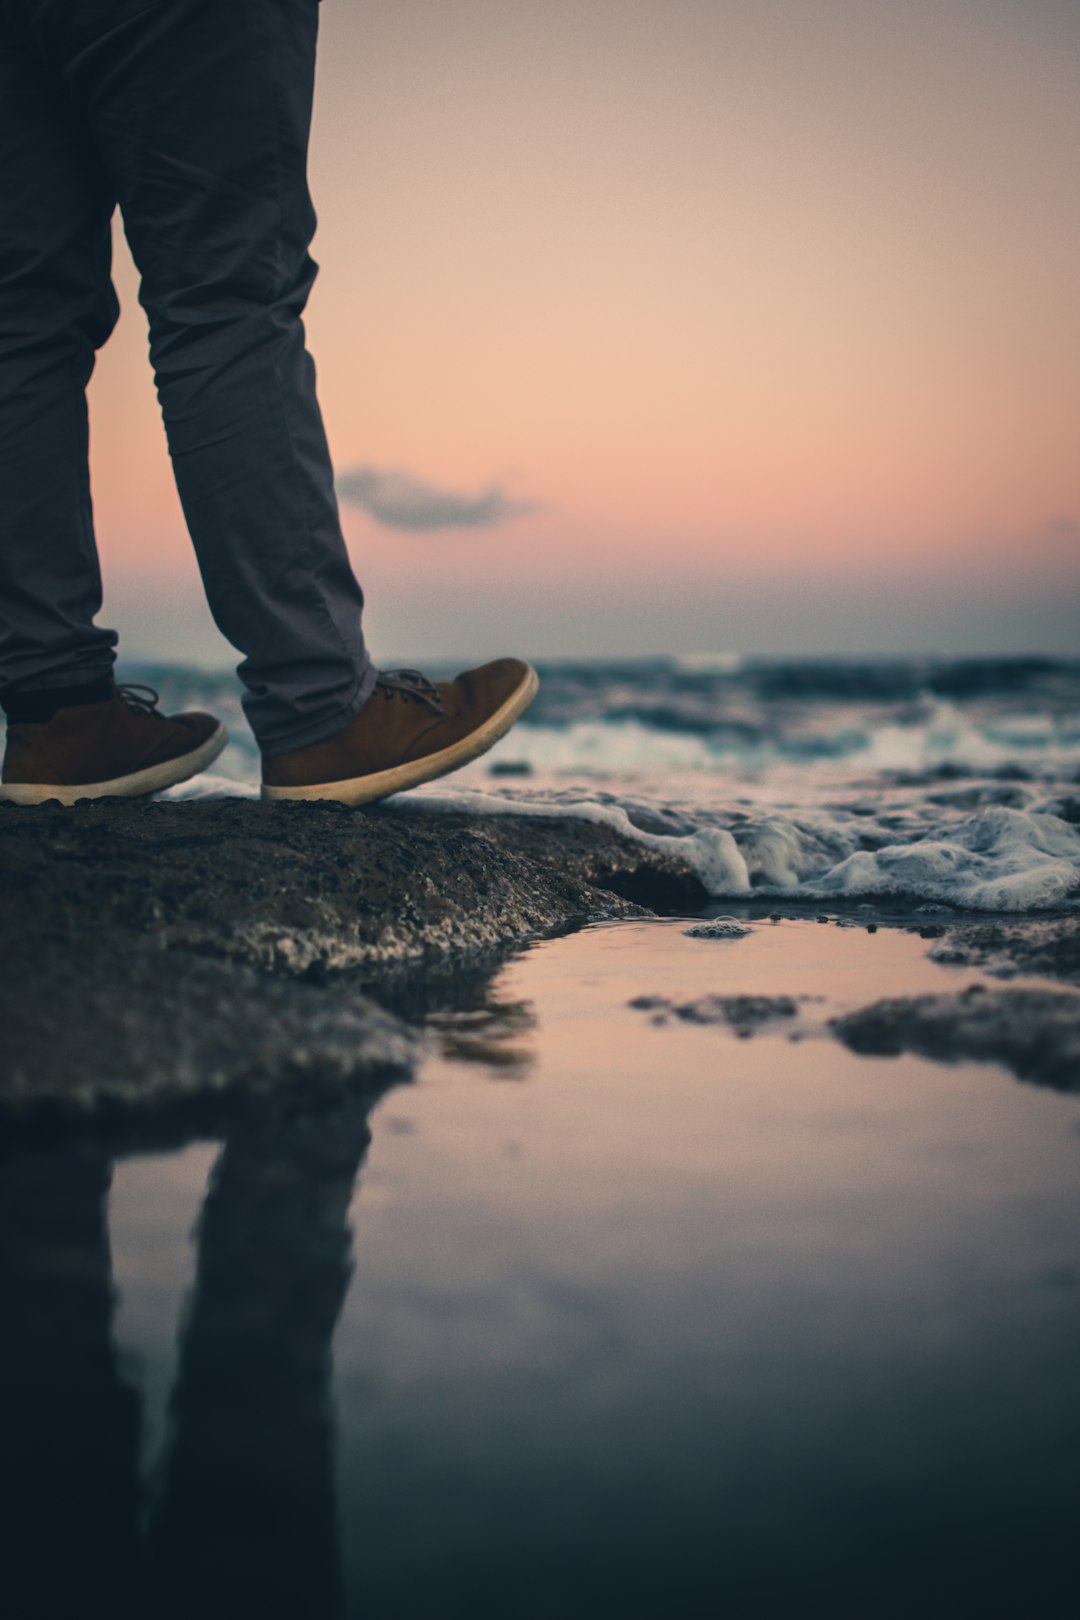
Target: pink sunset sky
point(674, 326)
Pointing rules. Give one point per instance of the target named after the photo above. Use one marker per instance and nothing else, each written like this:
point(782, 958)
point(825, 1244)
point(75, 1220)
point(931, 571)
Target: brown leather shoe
point(118, 749)
point(410, 730)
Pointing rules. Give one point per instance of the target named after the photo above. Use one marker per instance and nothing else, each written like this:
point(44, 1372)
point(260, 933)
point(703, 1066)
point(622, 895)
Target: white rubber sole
point(381, 784)
point(150, 780)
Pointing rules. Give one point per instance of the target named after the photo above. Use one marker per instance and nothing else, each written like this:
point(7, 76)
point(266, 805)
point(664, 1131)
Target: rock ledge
point(157, 952)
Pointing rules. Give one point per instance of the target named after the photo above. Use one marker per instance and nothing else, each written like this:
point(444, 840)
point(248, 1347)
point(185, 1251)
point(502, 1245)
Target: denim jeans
point(193, 116)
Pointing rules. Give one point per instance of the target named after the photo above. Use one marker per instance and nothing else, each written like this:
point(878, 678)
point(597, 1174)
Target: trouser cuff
point(318, 731)
point(36, 707)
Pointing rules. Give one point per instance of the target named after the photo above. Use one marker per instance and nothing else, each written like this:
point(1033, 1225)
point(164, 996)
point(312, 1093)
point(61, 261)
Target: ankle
point(38, 708)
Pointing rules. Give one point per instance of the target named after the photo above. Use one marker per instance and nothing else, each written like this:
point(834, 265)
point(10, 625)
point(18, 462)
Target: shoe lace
point(410, 686)
point(143, 699)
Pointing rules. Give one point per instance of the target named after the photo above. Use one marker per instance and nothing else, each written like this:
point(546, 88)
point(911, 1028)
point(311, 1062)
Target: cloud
point(1064, 528)
point(401, 501)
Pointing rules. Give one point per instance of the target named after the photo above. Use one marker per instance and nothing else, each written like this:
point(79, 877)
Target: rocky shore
point(1034, 1032)
point(160, 956)
point(163, 958)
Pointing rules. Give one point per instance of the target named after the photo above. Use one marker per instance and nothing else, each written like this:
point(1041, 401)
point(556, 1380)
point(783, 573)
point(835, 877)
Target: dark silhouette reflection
point(245, 1521)
point(69, 1425)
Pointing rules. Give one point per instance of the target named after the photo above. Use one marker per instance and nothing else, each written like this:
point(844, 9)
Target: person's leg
point(201, 111)
point(71, 733)
point(200, 114)
point(57, 306)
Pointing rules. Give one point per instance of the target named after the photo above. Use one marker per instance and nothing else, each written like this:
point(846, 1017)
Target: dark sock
point(34, 708)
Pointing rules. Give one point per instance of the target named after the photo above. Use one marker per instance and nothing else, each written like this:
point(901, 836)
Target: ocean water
point(952, 783)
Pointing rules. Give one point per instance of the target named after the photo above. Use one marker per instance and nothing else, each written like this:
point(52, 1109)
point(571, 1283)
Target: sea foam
point(998, 859)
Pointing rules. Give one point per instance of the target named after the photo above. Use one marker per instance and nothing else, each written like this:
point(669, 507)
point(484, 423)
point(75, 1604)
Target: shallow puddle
point(612, 1317)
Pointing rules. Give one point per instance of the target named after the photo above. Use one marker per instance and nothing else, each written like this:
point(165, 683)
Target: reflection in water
point(69, 1425)
point(247, 1510)
point(245, 1521)
point(688, 1325)
point(489, 1034)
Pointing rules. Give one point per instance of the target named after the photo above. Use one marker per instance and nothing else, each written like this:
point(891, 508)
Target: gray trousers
point(193, 116)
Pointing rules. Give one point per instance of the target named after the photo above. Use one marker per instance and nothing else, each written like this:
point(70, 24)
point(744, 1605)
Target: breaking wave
point(998, 859)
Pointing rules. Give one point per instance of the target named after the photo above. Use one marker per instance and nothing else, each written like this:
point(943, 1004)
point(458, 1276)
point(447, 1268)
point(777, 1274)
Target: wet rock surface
point(173, 1032)
point(718, 928)
point(160, 956)
point(743, 1014)
point(1035, 1033)
point(158, 952)
point(290, 888)
point(1039, 948)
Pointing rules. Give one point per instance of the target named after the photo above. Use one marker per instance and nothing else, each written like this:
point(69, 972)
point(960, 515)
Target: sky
point(652, 326)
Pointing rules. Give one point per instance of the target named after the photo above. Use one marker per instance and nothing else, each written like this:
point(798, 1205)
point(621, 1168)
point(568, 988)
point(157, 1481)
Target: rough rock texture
point(1047, 949)
point(1035, 1033)
point(153, 950)
point(718, 928)
point(744, 1014)
point(288, 887)
point(167, 1030)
